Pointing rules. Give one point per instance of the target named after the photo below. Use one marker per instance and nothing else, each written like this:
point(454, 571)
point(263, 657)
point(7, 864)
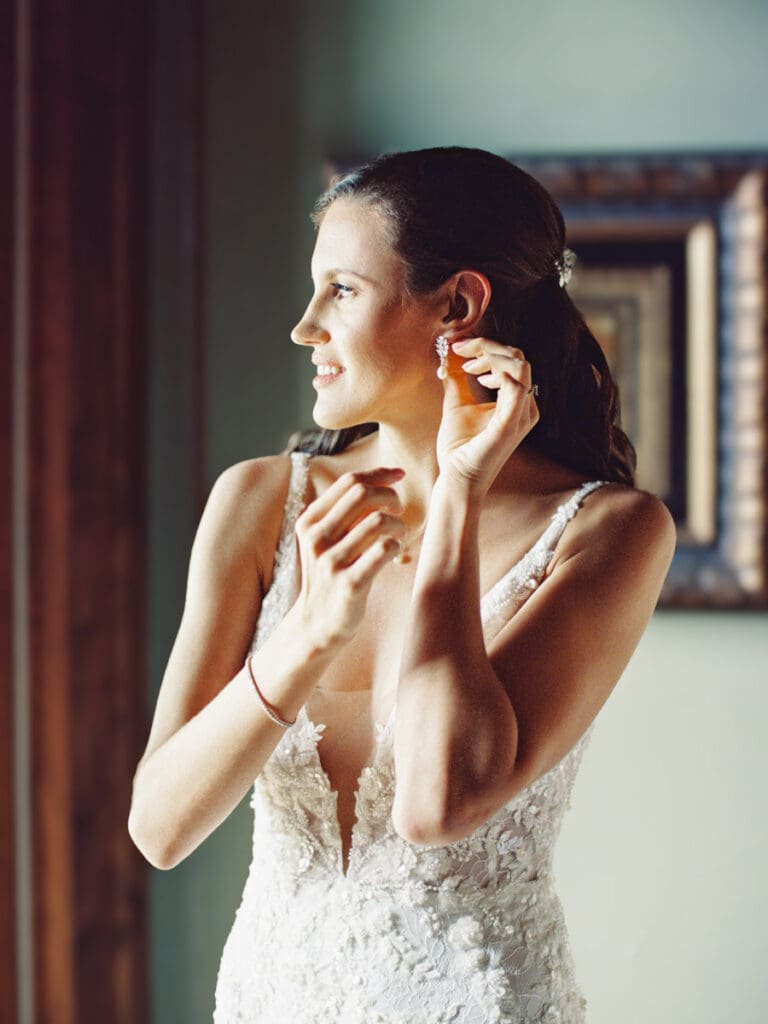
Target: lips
point(327, 373)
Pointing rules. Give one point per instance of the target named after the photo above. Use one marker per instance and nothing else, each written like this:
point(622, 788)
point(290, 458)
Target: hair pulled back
point(453, 209)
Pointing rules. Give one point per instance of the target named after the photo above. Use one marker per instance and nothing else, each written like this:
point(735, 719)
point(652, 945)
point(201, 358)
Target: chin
point(338, 419)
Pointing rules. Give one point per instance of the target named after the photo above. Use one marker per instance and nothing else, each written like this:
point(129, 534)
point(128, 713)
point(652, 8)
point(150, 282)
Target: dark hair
point(452, 209)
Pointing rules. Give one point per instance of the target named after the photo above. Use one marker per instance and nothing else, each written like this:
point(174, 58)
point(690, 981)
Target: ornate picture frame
point(678, 245)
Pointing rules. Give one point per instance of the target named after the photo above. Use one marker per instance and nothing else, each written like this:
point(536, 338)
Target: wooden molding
point(8, 951)
point(83, 374)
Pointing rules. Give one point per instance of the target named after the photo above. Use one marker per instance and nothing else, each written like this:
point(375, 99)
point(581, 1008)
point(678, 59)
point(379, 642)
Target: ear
point(468, 295)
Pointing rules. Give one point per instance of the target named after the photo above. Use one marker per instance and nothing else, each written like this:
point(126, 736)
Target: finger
point(480, 357)
point(513, 367)
point(477, 365)
point(358, 502)
point(378, 477)
point(518, 384)
point(482, 354)
point(518, 369)
point(469, 347)
point(490, 361)
point(367, 532)
point(372, 560)
point(359, 505)
point(516, 396)
point(491, 380)
point(456, 383)
point(511, 390)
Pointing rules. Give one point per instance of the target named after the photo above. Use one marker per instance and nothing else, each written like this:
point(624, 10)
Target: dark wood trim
point(86, 497)
point(8, 958)
point(83, 484)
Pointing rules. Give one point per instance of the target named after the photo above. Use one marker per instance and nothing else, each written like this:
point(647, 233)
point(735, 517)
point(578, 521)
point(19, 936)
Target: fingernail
point(457, 345)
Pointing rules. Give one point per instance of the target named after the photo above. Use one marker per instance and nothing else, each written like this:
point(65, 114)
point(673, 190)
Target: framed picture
point(672, 277)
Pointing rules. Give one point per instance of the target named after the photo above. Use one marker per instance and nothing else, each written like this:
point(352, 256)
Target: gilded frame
point(715, 208)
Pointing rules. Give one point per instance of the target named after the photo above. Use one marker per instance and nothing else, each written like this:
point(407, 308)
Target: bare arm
point(192, 782)
point(210, 737)
point(475, 726)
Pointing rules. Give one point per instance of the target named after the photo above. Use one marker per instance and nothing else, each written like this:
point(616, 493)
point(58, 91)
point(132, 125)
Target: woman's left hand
point(476, 438)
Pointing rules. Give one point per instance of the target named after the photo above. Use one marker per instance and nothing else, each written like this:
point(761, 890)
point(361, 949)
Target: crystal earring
point(441, 344)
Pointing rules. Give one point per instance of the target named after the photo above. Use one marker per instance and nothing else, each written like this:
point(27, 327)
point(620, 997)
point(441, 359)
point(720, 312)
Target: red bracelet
point(267, 707)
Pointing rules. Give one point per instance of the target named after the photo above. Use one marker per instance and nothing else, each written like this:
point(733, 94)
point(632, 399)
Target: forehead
point(355, 235)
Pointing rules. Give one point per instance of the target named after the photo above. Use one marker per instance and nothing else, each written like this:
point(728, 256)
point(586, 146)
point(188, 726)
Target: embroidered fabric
point(468, 933)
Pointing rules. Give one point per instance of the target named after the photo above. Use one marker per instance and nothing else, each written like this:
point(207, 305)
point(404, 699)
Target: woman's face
point(372, 344)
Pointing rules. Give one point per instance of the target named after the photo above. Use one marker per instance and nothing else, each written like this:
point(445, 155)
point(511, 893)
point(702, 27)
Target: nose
point(308, 332)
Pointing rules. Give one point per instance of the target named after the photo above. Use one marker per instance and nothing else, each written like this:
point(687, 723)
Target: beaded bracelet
point(272, 714)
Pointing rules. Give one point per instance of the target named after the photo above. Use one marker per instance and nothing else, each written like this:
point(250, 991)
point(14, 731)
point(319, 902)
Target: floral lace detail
point(525, 577)
point(467, 933)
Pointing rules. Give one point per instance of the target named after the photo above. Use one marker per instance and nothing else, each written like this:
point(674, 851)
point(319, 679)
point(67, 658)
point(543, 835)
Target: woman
point(470, 446)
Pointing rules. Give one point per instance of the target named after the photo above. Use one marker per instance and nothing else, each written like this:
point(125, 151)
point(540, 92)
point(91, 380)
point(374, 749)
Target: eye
point(341, 289)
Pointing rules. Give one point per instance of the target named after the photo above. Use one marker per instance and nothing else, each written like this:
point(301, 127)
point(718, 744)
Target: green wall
point(547, 75)
point(290, 84)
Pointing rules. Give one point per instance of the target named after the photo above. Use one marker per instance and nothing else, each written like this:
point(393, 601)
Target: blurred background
point(159, 162)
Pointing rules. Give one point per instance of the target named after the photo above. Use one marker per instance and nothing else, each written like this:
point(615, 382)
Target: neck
point(413, 451)
point(410, 443)
point(526, 472)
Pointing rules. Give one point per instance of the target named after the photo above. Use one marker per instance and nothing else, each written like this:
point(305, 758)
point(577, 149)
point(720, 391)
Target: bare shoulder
point(638, 517)
point(618, 508)
point(621, 521)
point(245, 510)
point(257, 480)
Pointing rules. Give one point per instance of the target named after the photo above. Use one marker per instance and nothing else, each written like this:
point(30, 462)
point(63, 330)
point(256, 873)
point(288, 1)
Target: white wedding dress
point(469, 933)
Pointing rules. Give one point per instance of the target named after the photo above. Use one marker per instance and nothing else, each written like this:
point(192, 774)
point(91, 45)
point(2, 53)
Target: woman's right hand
point(346, 536)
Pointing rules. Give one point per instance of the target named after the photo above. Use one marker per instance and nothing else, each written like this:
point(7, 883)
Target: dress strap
point(294, 503)
point(297, 489)
point(525, 576)
point(565, 512)
point(283, 589)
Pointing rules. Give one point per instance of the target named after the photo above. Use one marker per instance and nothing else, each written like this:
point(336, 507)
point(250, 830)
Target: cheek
point(389, 342)
point(405, 339)
point(396, 355)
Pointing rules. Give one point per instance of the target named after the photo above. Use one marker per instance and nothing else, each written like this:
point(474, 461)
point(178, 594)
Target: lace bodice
point(468, 933)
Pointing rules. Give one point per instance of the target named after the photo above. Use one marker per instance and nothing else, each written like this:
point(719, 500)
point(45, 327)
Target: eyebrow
point(345, 270)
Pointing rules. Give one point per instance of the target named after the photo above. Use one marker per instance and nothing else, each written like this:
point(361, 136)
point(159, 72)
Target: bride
point(462, 540)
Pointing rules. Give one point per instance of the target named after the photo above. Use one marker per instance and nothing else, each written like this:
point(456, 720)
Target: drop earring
point(441, 345)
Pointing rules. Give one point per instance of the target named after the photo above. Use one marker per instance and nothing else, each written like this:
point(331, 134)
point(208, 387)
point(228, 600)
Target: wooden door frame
point(73, 372)
point(9, 965)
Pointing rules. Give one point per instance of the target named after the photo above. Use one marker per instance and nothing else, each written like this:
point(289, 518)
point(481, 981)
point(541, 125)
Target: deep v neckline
point(383, 730)
point(383, 737)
